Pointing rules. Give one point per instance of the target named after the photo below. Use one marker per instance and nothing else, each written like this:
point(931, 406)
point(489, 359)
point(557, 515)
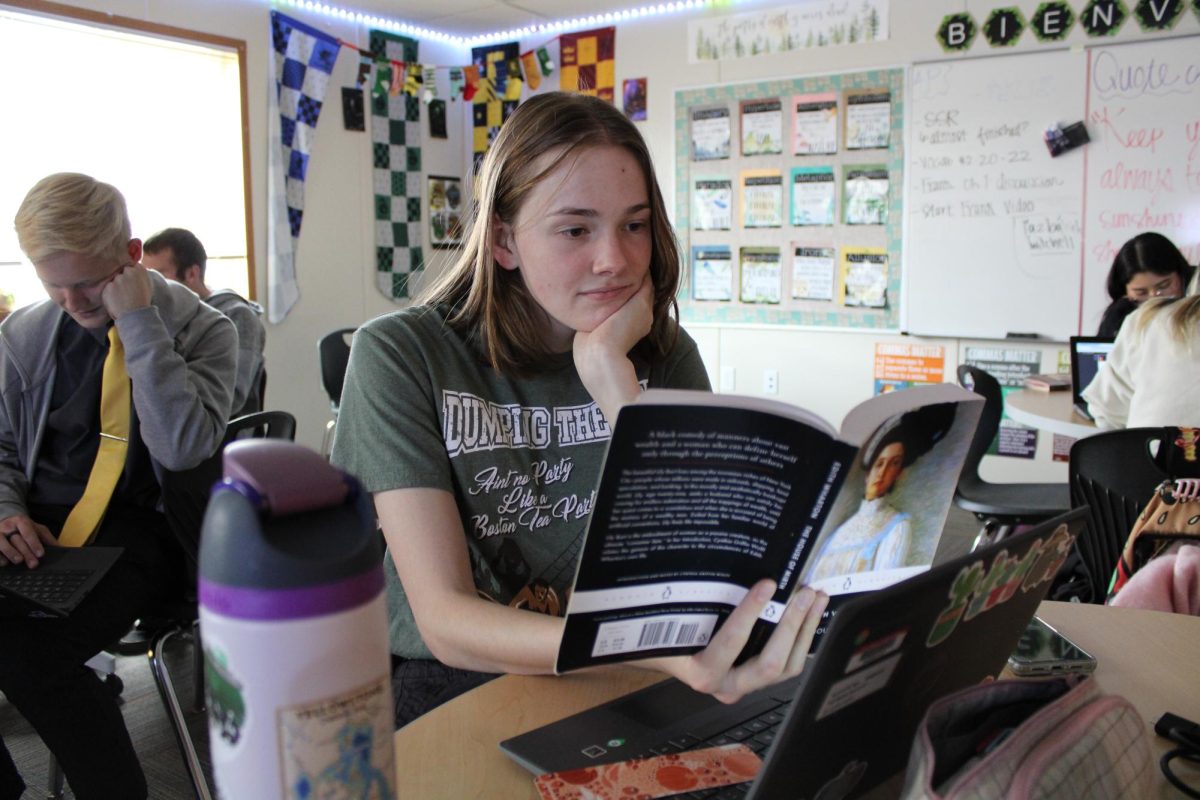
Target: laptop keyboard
point(757, 733)
point(50, 588)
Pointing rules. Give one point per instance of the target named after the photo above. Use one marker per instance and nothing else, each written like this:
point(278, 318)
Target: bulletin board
point(765, 238)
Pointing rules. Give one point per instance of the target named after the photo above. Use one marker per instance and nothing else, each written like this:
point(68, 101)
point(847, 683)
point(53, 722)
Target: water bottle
point(293, 626)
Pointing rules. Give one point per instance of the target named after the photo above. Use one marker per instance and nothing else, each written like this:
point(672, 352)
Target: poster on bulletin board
point(788, 201)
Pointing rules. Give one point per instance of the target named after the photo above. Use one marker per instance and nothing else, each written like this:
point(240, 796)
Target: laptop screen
point(1087, 354)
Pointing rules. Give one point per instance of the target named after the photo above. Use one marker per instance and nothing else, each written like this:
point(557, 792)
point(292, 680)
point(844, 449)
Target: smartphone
point(1044, 651)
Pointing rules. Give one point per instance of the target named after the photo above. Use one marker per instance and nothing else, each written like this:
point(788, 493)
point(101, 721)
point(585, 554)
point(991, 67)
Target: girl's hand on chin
point(627, 326)
point(602, 355)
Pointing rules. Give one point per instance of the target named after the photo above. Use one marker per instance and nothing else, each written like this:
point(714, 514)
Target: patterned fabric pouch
point(1047, 738)
point(1169, 519)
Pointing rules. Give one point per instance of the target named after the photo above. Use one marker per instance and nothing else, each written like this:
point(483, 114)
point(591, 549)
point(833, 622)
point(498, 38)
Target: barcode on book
point(650, 633)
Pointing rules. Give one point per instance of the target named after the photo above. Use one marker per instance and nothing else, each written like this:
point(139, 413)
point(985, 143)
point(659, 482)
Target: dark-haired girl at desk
point(1147, 266)
point(1152, 376)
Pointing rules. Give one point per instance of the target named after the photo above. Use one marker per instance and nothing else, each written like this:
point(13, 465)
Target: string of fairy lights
point(553, 27)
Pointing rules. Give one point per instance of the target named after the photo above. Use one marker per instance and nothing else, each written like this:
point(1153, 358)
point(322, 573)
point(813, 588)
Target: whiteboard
point(1143, 163)
point(997, 246)
point(993, 240)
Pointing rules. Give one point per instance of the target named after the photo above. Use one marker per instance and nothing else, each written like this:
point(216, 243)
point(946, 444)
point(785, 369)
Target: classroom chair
point(333, 352)
point(188, 494)
point(1113, 473)
point(999, 506)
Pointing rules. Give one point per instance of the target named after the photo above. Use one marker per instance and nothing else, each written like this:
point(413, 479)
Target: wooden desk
point(1149, 657)
point(1048, 411)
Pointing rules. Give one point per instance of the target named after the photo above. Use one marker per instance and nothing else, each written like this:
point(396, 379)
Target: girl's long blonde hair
point(492, 305)
point(1183, 317)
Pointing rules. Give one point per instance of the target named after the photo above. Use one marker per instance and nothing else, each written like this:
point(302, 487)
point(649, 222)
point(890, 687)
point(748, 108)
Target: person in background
point(1146, 266)
point(6, 305)
point(479, 418)
point(179, 255)
point(1152, 376)
point(58, 359)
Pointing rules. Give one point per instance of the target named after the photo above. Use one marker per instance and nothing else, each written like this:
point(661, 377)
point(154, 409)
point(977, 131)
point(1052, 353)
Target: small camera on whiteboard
point(1059, 139)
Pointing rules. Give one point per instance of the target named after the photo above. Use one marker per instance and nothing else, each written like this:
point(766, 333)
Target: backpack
point(1171, 517)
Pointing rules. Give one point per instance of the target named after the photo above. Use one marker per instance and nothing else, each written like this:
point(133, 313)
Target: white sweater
point(1150, 379)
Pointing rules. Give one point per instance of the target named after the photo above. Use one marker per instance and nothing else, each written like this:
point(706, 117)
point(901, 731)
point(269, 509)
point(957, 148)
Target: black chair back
point(983, 384)
point(1114, 473)
point(333, 351)
point(261, 425)
point(185, 492)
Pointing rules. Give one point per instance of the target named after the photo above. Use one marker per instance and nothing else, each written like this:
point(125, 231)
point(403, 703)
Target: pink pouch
point(1054, 737)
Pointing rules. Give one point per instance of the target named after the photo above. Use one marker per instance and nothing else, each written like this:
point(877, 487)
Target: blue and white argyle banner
point(303, 60)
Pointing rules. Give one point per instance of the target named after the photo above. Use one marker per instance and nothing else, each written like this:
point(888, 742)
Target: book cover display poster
point(762, 198)
point(814, 124)
point(813, 270)
point(813, 193)
point(711, 133)
point(864, 276)
point(814, 165)
point(762, 127)
point(712, 204)
point(762, 276)
point(712, 273)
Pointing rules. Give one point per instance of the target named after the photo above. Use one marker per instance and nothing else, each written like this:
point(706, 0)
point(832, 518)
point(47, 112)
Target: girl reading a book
point(479, 417)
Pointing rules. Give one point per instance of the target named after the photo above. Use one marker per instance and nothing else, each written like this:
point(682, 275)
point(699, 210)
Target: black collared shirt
point(72, 434)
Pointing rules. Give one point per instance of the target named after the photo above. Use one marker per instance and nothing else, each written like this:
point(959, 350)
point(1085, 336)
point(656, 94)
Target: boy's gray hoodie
point(181, 356)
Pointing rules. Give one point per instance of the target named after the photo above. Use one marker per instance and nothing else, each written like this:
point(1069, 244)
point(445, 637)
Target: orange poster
point(899, 365)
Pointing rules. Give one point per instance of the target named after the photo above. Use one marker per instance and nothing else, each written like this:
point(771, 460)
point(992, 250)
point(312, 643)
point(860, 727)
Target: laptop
point(1087, 354)
point(62, 578)
point(847, 722)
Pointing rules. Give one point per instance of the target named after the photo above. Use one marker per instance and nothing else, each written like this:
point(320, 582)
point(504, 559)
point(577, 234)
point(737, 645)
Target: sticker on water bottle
point(224, 698)
point(339, 747)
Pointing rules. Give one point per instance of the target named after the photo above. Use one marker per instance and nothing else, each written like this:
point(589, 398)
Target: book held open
point(702, 495)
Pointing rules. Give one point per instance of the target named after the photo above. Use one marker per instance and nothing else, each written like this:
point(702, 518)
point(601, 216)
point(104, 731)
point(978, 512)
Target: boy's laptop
point(1087, 354)
point(849, 719)
point(62, 578)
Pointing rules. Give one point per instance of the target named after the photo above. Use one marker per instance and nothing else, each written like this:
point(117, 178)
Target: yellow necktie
point(85, 517)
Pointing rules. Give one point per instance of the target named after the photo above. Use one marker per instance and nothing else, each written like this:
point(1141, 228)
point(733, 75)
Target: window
point(155, 111)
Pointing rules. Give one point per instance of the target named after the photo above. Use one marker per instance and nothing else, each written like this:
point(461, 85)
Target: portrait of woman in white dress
point(879, 535)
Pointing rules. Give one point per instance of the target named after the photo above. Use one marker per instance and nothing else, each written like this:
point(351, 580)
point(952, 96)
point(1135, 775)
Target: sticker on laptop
point(851, 689)
point(875, 649)
point(658, 776)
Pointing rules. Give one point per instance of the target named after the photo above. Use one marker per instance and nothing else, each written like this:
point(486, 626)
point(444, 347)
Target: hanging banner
point(533, 72)
point(302, 61)
point(490, 108)
point(588, 64)
point(396, 157)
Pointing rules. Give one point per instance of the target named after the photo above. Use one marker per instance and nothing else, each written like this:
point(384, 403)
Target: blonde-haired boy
point(180, 358)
